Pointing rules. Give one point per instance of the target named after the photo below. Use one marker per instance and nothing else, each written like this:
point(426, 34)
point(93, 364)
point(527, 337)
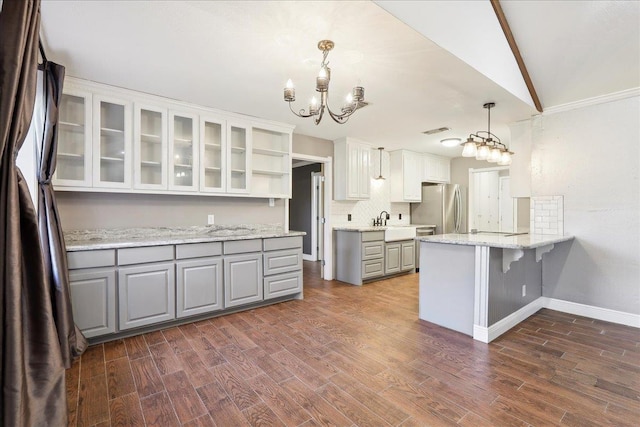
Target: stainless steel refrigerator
point(443, 205)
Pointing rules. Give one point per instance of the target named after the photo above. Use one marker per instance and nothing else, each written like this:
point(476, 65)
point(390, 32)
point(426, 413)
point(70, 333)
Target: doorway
point(491, 207)
point(308, 209)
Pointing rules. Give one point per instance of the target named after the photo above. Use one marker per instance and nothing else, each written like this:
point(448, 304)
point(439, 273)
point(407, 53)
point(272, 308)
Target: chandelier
point(354, 100)
point(487, 147)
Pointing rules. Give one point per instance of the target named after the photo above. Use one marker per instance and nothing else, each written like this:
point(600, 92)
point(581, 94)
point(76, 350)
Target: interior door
point(318, 217)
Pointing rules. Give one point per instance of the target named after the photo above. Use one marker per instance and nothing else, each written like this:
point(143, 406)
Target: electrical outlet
point(524, 290)
point(272, 202)
point(210, 219)
point(348, 217)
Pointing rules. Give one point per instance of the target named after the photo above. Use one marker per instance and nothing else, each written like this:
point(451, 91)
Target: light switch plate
point(210, 219)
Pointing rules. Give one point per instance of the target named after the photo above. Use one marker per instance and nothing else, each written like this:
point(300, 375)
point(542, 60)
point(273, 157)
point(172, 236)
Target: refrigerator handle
point(458, 209)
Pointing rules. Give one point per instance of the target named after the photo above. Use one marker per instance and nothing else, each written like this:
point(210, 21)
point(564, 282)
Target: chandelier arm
point(301, 113)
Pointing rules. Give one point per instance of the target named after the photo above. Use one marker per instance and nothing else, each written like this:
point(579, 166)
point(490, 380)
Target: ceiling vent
point(434, 131)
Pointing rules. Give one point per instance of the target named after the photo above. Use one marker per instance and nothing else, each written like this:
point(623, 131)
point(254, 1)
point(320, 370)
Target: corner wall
point(591, 156)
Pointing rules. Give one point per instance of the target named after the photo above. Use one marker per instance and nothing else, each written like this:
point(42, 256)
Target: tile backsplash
point(547, 215)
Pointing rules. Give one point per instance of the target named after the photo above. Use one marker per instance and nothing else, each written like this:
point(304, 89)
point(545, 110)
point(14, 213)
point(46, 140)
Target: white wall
point(591, 156)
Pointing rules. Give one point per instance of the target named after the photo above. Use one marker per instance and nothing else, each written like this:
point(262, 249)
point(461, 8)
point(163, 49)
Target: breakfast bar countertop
point(81, 240)
point(518, 241)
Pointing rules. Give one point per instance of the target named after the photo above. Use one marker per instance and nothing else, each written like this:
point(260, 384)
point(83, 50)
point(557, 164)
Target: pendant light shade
point(470, 149)
point(380, 151)
point(482, 152)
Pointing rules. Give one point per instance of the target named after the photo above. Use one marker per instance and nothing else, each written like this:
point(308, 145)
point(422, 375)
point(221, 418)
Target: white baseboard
point(591, 311)
point(308, 257)
point(483, 334)
point(487, 335)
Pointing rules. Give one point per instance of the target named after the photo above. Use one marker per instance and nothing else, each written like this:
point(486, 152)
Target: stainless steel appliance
point(443, 205)
point(422, 230)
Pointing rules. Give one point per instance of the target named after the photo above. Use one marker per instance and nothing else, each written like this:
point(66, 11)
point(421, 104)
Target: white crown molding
point(615, 96)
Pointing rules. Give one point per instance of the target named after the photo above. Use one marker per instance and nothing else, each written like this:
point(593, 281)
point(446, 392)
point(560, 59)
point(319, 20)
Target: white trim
point(615, 96)
point(592, 312)
point(314, 213)
point(308, 257)
point(487, 335)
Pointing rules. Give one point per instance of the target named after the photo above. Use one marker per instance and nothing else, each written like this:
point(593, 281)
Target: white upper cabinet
point(213, 154)
point(149, 147)
point(117, 140)
point(239, 157)
point(405, 176)
point(183, 151)
point(74, 140)
point(352, 169)
point(111, 142)
point(271, 161)
point(435, 168)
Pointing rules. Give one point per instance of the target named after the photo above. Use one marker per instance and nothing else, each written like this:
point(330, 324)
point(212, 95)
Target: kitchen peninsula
point(129, 281)
point(482, 284)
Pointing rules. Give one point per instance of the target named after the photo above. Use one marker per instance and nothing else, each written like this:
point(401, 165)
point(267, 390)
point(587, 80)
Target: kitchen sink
point(393, 233)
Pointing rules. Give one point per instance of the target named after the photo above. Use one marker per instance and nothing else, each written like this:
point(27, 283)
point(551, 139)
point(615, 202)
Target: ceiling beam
point(516, 52)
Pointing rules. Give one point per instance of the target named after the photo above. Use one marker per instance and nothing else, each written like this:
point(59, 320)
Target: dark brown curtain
point(72, 342)
point(32, 376)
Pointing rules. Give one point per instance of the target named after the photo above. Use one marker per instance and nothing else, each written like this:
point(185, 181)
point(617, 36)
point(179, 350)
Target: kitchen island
point(482, 284)
point(129, 281)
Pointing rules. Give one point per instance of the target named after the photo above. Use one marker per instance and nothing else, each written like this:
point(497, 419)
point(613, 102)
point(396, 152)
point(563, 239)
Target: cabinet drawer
point(370, 236)
point(372, 250)
point(282, 261)
point(279, 243)
point(282, 284)
point(372, 268)
point(242, 246)
point(198, 250)
point(143, 255)
point(91, 259)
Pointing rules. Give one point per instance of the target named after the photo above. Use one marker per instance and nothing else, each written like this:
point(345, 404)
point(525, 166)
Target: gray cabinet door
point(146, 294)
point(242, 279)
point(198, 286)
point(93, 297)
point(408, 258)
point(392, 258)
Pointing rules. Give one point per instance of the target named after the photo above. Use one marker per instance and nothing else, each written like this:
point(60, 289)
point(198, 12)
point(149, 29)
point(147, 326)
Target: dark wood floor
point(359, 356)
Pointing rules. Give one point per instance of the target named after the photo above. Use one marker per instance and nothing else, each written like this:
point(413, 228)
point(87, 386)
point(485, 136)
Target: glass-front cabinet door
point(150, 147)
point(213, 142)
point(111, 142)
point(183, 134)
point(239, 158)
point(74, 140)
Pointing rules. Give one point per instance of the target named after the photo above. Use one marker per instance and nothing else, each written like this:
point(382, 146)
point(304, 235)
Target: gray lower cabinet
point(282, 268)
point(198, 286)
point(242, 279)
point(408, 255)
point(93, 299)
point(146, 294)
point(392, 258)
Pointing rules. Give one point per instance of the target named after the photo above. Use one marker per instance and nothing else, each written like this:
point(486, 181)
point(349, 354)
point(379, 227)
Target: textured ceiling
point(237, 56)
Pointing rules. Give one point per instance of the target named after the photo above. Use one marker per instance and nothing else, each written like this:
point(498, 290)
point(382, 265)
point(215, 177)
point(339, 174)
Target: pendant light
point(380, 150)
point(487, 147)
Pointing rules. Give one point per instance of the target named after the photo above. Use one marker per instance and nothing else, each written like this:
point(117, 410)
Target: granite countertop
point(80, 240)
point(372, 227)
point(521, 241)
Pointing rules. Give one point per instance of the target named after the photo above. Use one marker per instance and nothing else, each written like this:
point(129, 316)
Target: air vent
point(434, 131)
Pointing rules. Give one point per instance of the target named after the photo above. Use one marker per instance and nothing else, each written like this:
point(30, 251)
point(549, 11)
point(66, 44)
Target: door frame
point(316, 213)
point(327, 169)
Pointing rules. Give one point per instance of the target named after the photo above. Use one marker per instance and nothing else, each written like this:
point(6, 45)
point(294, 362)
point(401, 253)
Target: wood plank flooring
point(359, 356)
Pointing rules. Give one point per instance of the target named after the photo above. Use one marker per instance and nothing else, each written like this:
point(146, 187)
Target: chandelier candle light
point(354, 100)
point(487, 148)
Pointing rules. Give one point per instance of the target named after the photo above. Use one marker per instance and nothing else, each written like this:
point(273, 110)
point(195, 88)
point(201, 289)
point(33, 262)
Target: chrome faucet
point(380, 219)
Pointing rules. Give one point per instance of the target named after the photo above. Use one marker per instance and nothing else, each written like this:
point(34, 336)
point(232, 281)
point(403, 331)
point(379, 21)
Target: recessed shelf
point(150, 163)
point(112, 159)
point(270, 152)
point(112, 132)
point(268, 172)
point(71, 156)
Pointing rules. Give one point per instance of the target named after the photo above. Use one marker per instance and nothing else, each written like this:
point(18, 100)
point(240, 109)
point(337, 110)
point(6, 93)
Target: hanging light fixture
point(487, 147)
point(380, 150)
point(354, 100)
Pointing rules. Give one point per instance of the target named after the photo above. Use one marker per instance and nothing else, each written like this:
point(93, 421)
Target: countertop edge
point(517, 243)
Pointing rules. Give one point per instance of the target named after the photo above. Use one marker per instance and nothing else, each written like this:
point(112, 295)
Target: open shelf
point(269, 172)
point(270, 152)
